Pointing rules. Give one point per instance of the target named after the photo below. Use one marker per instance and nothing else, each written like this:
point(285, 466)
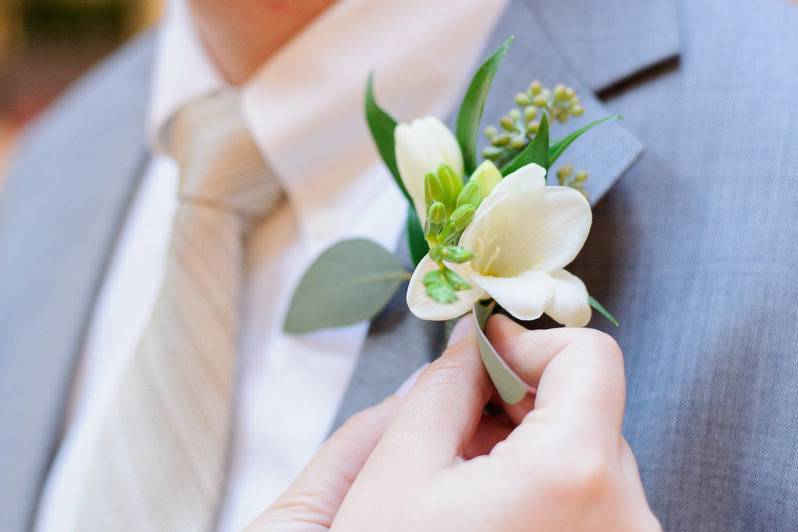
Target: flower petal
point(569, 305)
point(426, 308)
point(525, 179)
point(447, 144)
point(528, 228)
point(421, 147)
point(525, 296)
point(561, 228)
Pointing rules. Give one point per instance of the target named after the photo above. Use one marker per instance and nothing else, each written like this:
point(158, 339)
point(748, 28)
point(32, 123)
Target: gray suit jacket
point(692, 249)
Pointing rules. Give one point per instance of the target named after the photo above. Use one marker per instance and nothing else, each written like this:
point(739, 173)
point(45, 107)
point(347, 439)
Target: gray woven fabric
point(692, 248)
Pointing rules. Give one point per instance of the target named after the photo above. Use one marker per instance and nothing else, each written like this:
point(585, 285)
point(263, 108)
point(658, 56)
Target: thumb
point(441, 413)
point(312, 501)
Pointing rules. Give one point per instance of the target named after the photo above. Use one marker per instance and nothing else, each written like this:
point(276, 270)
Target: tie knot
point(218, 159)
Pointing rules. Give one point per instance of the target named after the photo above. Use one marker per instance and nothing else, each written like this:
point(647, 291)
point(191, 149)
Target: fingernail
point(460, 330)
point(411, 380)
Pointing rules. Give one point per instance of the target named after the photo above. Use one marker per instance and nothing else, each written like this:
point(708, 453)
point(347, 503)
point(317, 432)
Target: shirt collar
point(305, 105)
point(183, 71)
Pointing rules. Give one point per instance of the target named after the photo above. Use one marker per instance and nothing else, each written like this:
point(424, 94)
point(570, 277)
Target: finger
point(490, 431)
point(314, 497)
point(578, 372)
point(439, 415)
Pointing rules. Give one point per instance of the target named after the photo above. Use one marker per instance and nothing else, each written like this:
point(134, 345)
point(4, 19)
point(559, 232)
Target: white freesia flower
point(421, 147)
point(522, 236)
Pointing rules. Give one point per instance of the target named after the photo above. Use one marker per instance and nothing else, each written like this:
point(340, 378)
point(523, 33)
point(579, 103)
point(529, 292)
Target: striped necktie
point(161, 458)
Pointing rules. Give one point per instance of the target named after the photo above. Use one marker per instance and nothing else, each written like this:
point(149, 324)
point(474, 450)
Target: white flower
point(421, 147)
point(522, 236)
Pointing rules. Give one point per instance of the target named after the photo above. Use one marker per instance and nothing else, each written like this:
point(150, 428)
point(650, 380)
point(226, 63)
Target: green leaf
point(470, 113)
point(350, 282)
point(507, 382)
point(536, 151)
point(382, 126)
point(415, 237)
point(561, 145)
point(603, 311)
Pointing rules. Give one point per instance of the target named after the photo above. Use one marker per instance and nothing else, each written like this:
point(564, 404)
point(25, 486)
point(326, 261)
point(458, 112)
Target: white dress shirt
point(304, 107)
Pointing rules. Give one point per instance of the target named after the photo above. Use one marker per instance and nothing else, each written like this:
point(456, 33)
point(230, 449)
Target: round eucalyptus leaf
point(350, 282)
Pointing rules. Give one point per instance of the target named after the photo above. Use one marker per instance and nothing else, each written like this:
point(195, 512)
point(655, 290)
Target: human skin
point(434, 461)
point(240, 35)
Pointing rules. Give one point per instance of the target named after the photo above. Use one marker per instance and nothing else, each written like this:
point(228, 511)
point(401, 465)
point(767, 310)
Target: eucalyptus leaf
point(382, 126)
point(350, 282)
point(510, 386)
point(561, 145)
point(536, 151)
point(603, 311)
point(470, 113)
point(415, 237)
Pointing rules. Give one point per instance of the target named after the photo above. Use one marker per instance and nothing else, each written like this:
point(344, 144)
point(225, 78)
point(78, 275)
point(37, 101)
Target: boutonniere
point(480, 234)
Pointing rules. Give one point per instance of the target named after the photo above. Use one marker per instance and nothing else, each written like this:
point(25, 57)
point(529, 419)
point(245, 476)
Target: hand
point(442, 465)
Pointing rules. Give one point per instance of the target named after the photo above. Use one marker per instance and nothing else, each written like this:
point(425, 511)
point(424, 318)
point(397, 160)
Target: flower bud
point(507, 123)
point(433, 189)
point(462, 216)
point(490, 132)
point(540, 101)
point(522, 98)
point(492, 152)
point(518, 142)
point(530, 113)
point(451, 183)
point(487, 176)
point(436, 218)
point(470, 195)
point(535, 87)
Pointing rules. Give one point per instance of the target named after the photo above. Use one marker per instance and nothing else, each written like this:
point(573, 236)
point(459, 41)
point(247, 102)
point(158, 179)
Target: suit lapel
point(60, 215)
point(588, 45)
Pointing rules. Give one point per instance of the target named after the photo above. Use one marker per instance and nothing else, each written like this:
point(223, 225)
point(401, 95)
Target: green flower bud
point(540, 101)
point(436, 218)
point(535, 87)
point(570, 94)
point(522, 98)
point(462, 216)
point(559, 92)
point(439, 288)
point(452, 185)
point(530, 113)
point(577, 110)
point(518, 143)
point(454, 254)
point(565, 171)
point(488, 176)
point(514, 114)
point(501, 140)
point(580, 177)
point(455, 280)
point(532, 127)
point(492, 152)
point(470, 195)
point(433, 189)
point(507, 123)
point(491, 132)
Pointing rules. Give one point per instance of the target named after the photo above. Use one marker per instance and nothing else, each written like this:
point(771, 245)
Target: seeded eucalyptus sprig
point(567, 178)
point(519, 126)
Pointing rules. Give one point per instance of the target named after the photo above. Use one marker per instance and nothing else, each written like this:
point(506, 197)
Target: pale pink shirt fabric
point(304, 107)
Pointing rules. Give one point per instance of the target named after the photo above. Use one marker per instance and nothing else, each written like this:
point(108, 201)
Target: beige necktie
point(160, 462)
